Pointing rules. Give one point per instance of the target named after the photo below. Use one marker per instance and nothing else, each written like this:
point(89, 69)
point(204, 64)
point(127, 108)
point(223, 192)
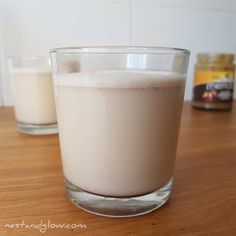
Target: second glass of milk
point(119, 111)
point(32, 88)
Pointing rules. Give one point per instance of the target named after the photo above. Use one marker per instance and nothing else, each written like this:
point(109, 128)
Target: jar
point(214, 81)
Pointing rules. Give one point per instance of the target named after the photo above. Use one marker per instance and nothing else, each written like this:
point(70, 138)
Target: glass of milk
point(119, 111)
point(32, 88)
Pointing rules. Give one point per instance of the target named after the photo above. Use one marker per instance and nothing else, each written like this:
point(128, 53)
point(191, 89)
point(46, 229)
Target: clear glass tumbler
point(32, 88)
point(119, 111)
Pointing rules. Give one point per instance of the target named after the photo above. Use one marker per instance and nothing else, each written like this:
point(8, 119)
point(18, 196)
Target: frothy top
point(35, 70)
point(121, 79)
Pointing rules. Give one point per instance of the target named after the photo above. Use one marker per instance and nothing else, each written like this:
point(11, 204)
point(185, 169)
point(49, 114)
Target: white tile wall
point(1, 58)
point(209, 5)
point(32, 27)
point(184, 27)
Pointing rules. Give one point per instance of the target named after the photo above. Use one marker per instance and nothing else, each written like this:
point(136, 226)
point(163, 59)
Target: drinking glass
point(119, 111)
point(32, 87)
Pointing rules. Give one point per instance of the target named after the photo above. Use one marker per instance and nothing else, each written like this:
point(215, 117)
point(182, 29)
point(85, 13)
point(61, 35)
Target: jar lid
point(218, 58)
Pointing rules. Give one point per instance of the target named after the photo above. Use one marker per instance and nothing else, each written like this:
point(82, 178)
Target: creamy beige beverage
point(33, 96)
point(118, 130)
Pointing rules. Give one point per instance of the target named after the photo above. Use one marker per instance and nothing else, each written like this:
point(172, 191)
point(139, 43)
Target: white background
point(32, 27)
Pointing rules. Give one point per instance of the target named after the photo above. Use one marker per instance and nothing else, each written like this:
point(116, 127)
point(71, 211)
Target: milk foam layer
point(118, 130)
point(32, 70)
point(121, 79)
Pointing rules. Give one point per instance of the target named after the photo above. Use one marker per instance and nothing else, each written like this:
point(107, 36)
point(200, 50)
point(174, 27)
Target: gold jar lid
point(215, 58)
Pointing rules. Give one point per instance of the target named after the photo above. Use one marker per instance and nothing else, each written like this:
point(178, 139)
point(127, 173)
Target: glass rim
point(28, 58)
point(120, 50)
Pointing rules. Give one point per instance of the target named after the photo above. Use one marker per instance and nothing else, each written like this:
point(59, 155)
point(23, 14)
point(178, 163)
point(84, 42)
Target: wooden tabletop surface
point(203, 200)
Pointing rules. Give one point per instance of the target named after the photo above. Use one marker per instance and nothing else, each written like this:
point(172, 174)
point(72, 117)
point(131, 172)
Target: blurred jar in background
point(32, 87)
point(214, 81)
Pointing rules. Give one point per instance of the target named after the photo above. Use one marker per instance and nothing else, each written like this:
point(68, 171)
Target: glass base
point(37, 129)
point(118, 207)
point(213, 106)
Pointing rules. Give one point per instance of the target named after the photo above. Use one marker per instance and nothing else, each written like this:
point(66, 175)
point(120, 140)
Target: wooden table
point(203, 200)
